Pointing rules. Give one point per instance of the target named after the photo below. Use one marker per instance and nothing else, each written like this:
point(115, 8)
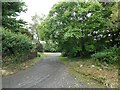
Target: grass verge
point(14, 68)
point(92, 72)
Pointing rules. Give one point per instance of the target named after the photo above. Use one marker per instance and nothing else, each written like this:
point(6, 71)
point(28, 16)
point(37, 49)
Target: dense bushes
point(15, 46)
point(109, 55)
point(49, 46)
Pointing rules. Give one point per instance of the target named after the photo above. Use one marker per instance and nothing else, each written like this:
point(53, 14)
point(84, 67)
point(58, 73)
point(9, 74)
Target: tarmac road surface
point(48, 73)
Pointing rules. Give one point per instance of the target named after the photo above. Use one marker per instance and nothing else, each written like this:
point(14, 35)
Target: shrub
point(109, 56)
point(15, 46)
point(39, 47)
point(50, 46)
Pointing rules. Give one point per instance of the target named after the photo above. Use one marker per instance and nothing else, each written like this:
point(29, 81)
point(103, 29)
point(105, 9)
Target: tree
point(35, 26)
point(16, 39)
point(35, 30)
point(78, 27)
point(10, 12)
point(115, 18)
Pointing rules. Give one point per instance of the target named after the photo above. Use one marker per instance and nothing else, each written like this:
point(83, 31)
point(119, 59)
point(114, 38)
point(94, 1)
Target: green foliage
point(49, 46)
point(16, 39)
point(73, 25)
point(15, 45)
point(109, 55)
point(39, 47)
point(10, 12)
point(84, 28)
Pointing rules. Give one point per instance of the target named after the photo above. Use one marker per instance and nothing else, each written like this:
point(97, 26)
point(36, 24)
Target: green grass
point(92, 72)
point(14, 68)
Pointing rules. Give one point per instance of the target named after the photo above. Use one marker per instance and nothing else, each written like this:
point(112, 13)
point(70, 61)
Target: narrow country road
point(48, 73)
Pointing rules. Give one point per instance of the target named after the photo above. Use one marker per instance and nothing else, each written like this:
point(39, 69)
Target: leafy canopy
point(78, 27)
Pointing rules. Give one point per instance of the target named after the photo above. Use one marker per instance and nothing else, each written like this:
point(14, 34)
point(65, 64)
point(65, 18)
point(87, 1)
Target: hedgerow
point(15, 46)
